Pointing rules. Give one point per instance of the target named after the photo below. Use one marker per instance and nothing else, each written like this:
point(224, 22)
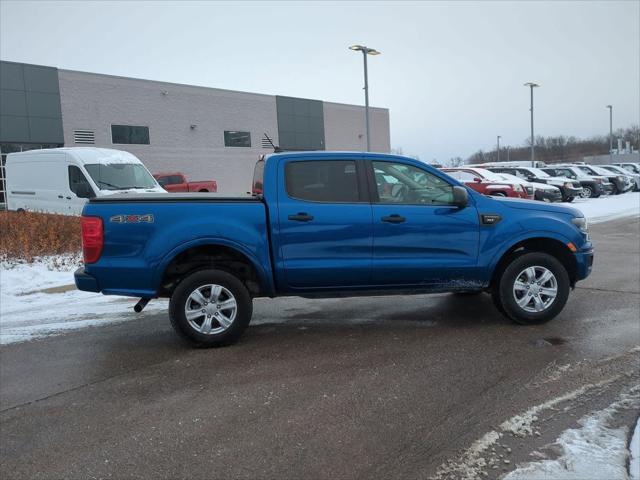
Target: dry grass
point(26, 235)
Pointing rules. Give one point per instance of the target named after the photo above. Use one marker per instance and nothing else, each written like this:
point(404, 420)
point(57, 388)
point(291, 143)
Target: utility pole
point(532, 85)
point(499, 137)
point(610, 107)
point(366, 51)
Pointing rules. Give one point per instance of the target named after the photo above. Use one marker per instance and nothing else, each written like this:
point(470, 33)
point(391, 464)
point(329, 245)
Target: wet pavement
point(369, 387)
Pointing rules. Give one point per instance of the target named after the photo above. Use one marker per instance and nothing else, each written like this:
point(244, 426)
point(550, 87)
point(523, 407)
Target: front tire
point(533, 289)
point(587, 192)
point(210, 308)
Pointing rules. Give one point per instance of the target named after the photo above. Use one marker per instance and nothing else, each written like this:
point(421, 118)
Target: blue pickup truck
point(331, 224)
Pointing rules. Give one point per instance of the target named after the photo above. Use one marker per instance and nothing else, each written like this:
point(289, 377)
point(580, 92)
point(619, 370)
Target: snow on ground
point(594, 451)
point(609, 208)
point(634, 447)
point(27, 312)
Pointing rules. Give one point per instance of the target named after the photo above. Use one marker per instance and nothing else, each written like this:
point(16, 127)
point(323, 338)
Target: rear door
point(420, 238)
point(325, 223)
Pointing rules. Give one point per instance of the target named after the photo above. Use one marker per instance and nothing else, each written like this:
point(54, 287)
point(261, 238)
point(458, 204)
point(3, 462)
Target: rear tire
point(210, 308)
point(533, 289)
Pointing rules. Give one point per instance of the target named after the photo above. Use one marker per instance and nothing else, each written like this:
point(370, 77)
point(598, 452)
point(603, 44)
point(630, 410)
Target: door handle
point(60, 196)
point(68, 198)
point(395, 218)
point(301, 217)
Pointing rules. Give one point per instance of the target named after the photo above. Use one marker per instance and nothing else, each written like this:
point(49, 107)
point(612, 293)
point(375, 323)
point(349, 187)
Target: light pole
point(532, 85)
point(366, 51)
point(499, 137)
point(610, 107)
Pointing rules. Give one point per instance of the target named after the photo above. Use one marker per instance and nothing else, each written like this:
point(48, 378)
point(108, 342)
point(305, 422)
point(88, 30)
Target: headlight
point(568, 185)
point(621, 179)
point(581, 223)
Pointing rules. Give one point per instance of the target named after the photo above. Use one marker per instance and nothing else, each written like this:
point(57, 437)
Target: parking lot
point(387, 386)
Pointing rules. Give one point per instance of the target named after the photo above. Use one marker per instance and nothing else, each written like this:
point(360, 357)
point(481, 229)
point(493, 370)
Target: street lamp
point(610, 107)
point(532, 85)
point(499, 137)
point(366, 51)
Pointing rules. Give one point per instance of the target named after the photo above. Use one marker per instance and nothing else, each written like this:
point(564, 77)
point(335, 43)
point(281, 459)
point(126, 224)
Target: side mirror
point(460, 196)
point(477, 180)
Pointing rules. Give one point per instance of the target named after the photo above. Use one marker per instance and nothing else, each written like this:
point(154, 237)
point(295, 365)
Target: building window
point(129, 134)
point(237, 139)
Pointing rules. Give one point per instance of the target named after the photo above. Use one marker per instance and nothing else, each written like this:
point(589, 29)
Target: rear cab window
point(327, 181)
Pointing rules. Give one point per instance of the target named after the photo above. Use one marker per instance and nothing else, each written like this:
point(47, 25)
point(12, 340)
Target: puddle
point(549, 341)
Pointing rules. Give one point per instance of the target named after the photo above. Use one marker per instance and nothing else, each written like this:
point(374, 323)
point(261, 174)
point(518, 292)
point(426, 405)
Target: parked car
point(323, 227)
point(622, 171)
point(485, 182)
point(61, 180)
point(177, 182)
point(570, 189)
point(541, 191)
point(592, 186)
point(629, 166)
point(621, 183)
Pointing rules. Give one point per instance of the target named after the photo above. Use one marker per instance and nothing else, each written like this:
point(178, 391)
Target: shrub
point(25, 235)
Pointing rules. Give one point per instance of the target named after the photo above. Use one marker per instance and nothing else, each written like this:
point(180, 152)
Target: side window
point(174, 180)
point(404, 184)
point(163, 181)
point(462, 176)
point(333, 181)
point(78, 183)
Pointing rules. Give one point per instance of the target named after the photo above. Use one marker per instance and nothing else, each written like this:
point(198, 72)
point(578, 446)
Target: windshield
point(539, 173)
point(615, 169)
point(631, 168)
point(587, 170)
point(120, 176)
point(600, 170)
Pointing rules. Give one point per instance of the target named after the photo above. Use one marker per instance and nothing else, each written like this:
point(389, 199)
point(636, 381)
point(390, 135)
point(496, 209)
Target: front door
point(420, 238)
point(325, 224)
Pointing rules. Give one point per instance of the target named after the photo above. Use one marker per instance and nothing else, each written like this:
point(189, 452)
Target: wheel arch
point(212, 253)
point(552, 246)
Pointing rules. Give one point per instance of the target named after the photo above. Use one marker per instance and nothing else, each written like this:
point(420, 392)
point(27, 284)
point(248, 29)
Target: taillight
point(92, 238)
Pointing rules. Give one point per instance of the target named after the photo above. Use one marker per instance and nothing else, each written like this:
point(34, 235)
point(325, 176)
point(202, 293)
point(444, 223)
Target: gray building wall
point(95, 102)
point(345, 128)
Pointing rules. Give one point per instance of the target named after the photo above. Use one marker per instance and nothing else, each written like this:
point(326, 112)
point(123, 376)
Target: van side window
point(79, 184)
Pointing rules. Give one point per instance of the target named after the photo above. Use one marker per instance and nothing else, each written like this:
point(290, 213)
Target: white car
point(541, 191)
point(61, 180)
point(624, 171)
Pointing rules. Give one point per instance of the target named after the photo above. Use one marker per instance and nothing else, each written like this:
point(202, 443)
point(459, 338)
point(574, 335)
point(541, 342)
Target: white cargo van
point(60, 180)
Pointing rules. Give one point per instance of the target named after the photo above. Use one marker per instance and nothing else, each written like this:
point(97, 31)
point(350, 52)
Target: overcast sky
point(451, 73)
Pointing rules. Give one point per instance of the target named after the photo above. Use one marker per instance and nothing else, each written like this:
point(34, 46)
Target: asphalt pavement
point(384, 387)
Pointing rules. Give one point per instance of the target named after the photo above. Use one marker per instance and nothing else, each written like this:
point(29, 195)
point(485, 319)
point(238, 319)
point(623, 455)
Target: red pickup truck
point(177, 182)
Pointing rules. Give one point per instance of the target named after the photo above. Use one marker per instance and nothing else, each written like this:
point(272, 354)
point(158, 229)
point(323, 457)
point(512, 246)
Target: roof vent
point(84, 136)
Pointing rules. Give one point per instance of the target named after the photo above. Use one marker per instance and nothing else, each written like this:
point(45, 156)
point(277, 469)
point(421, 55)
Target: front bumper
point(570, 192)
point(85, 282)
point(584, 263)
point(548, 195)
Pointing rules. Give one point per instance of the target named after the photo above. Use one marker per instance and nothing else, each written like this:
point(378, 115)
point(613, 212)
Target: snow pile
point(40, 299)
point(602, 209)
point(592, 452)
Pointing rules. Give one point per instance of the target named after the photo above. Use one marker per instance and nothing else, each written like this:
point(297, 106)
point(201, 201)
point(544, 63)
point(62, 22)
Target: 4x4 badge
point(148, 218)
